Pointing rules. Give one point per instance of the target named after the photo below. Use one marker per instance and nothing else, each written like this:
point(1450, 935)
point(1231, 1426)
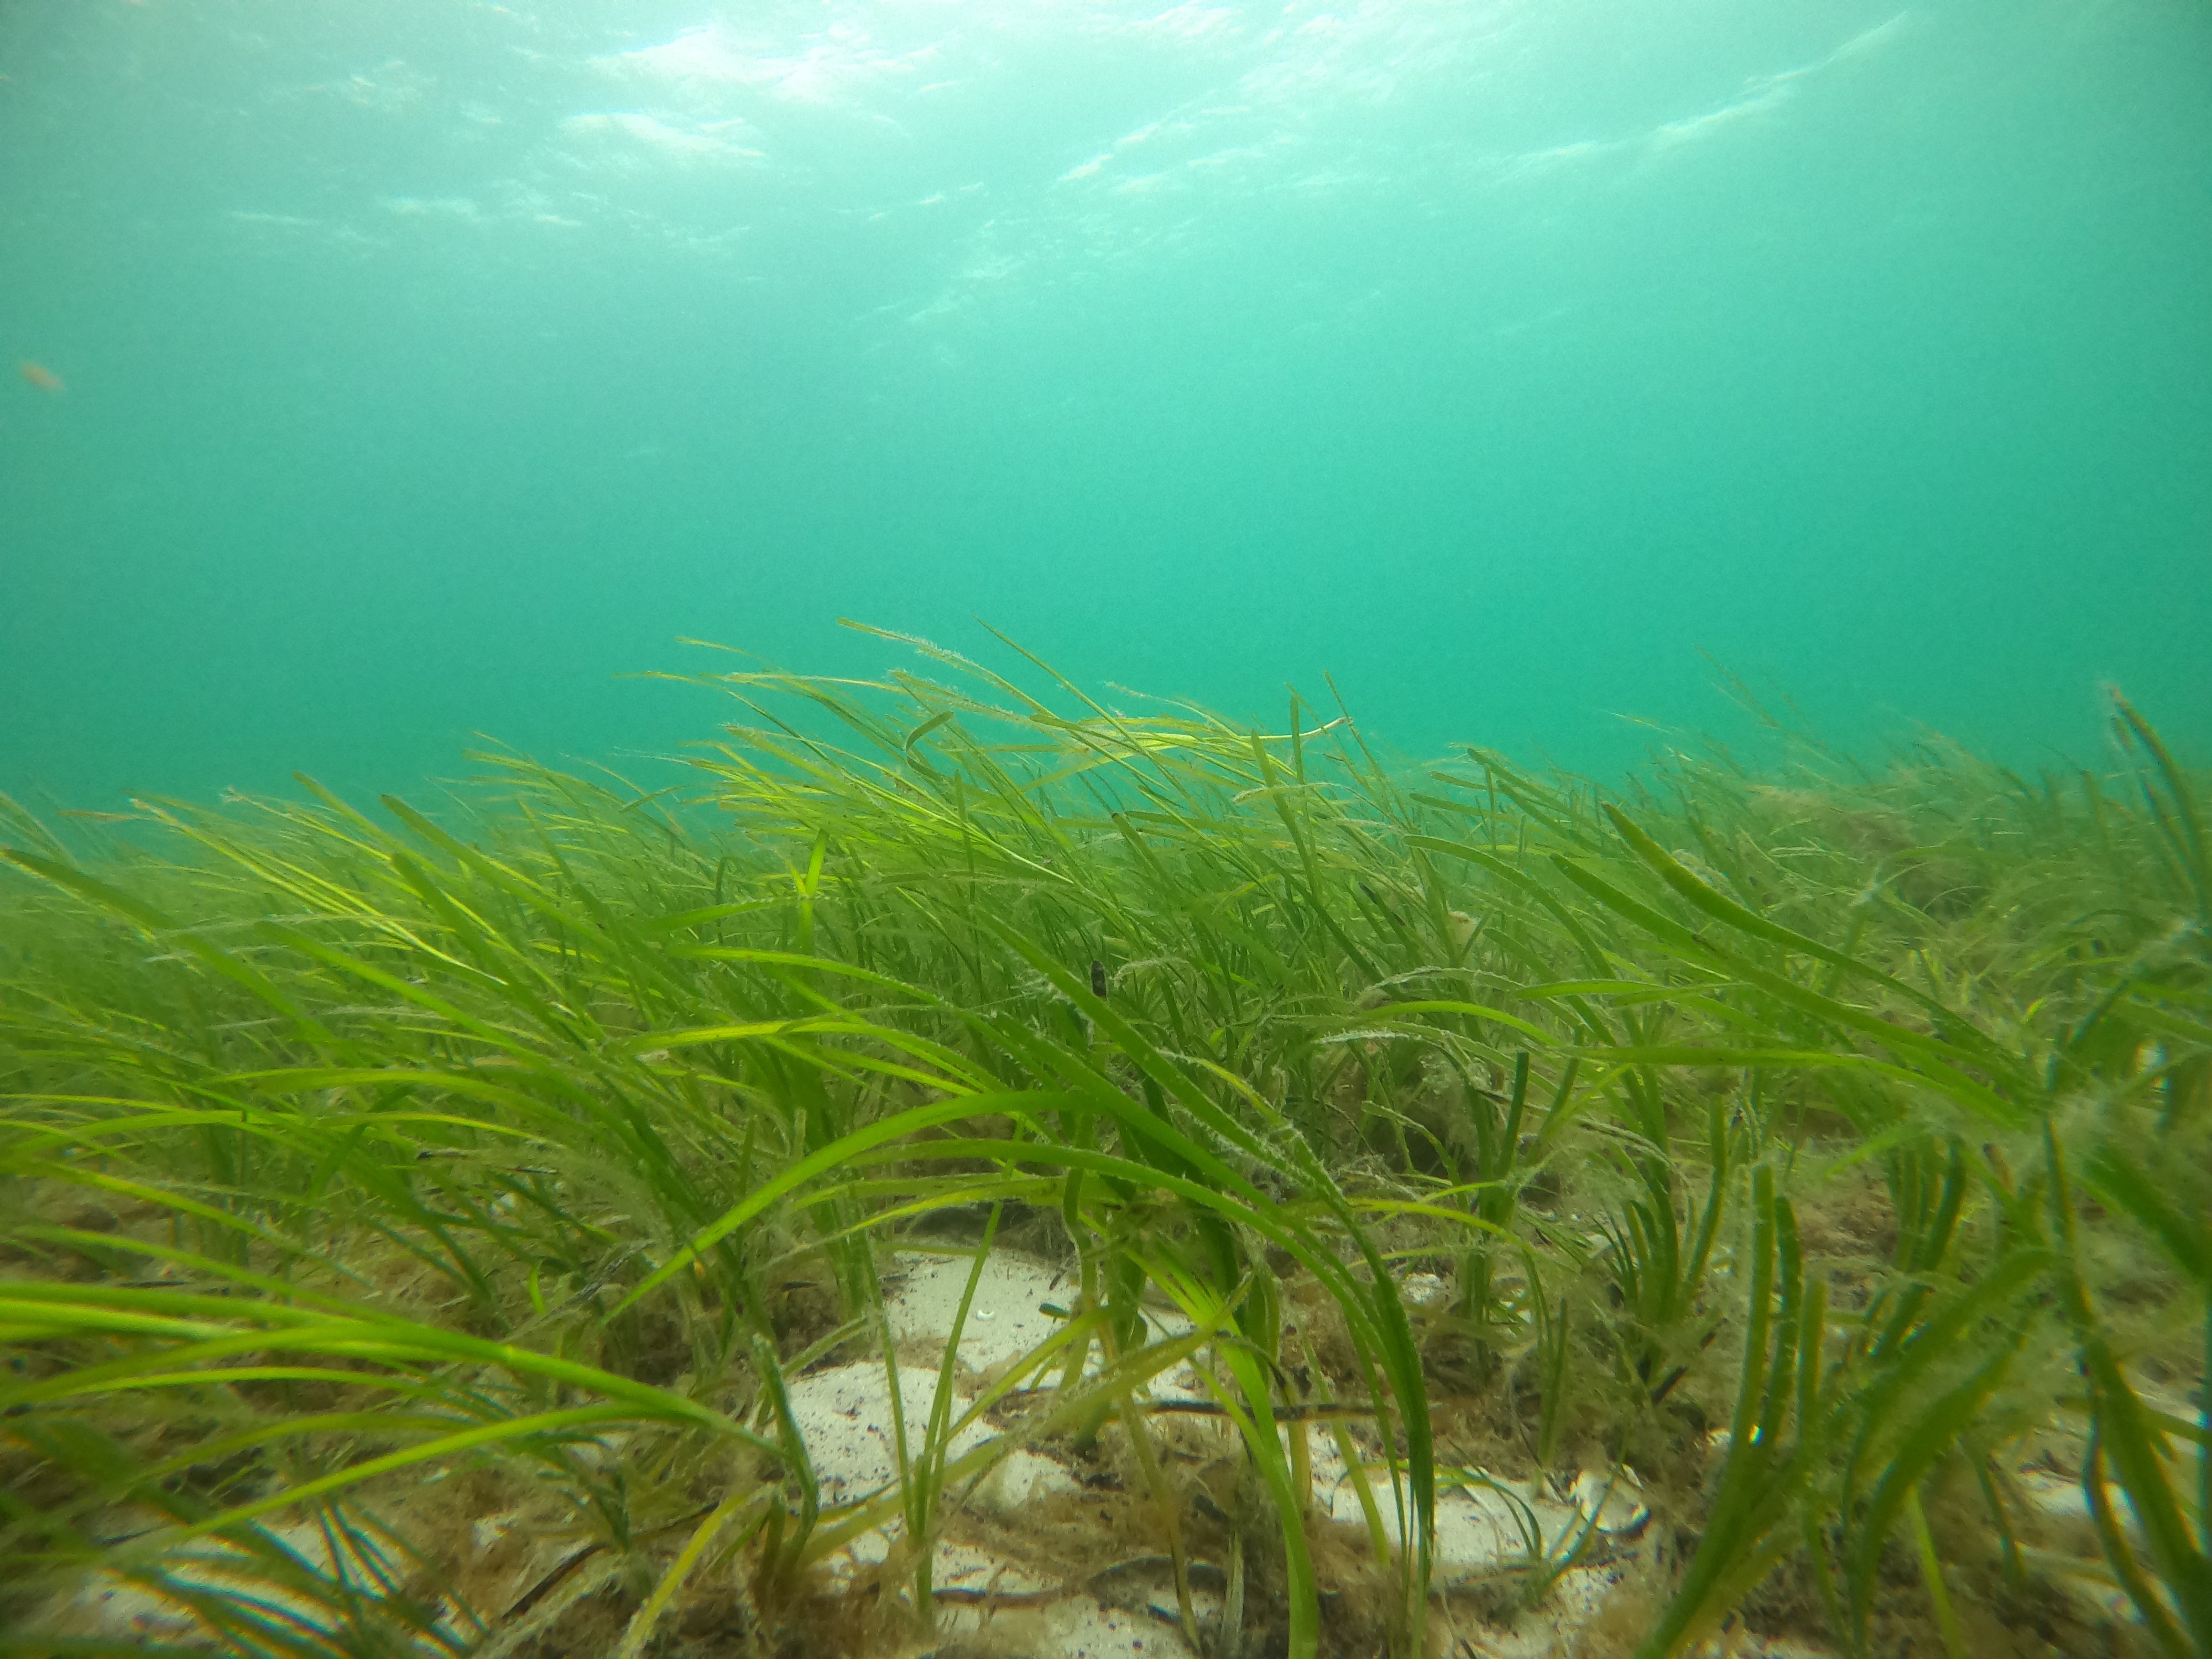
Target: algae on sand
point(427, 1232)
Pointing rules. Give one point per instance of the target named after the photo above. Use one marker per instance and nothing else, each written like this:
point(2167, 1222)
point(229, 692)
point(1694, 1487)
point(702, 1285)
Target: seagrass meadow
point(1779, 1193)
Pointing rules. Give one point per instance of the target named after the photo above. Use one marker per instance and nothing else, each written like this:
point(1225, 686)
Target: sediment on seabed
point(976, 1173)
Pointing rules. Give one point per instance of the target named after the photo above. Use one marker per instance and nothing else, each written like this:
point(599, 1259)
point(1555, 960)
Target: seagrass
point(1805, 1141)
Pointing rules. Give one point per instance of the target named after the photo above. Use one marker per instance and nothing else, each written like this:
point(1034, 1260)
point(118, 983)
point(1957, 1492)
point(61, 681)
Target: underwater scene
point(1099, 830)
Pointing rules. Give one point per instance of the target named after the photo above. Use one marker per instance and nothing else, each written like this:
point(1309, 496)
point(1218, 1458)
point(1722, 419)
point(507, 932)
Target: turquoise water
point(428, 367)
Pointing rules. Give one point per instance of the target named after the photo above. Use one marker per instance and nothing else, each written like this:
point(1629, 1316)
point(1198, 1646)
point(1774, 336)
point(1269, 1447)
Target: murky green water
point(406, 368)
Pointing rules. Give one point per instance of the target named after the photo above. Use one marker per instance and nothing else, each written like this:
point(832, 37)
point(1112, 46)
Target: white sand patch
point(1003, 1321)
point(844, 1417)
point(1423, 1290)
point(1614, 1501)
point(1019, 1478)
point(1483, 1520)
point(966, 1570)
point(2087, 1584)
point(1084, 1630)
point(105, 1605)
point(1553, 1630)
point(1180, 1383)
point(1006, 1319)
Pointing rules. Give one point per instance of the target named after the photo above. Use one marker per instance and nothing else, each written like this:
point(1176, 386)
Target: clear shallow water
point(430, 365)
